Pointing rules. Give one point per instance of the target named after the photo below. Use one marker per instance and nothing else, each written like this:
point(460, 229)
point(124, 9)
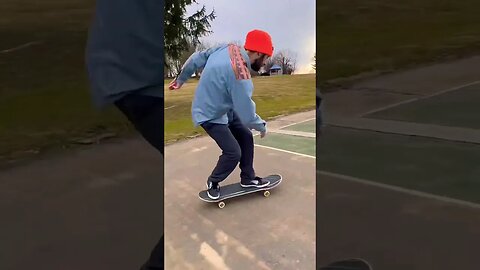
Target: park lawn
point(374, 36)
point(44, 97)
point(274, 96)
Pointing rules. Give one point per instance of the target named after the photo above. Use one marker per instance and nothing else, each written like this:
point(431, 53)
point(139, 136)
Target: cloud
point(291, 23)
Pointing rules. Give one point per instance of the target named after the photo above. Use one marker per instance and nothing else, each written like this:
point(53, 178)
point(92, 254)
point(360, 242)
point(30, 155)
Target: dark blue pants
point(146, 115)
point(236, 142)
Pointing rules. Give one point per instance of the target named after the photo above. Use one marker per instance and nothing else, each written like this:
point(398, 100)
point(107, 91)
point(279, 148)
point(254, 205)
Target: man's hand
point(174, 85)
point(263, 133)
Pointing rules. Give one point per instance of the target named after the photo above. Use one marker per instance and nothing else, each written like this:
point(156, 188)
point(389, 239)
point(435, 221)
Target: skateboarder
point(223, 104)
point(125, 61)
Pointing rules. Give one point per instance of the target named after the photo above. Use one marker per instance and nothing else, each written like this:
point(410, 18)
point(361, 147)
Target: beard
point(257, 64)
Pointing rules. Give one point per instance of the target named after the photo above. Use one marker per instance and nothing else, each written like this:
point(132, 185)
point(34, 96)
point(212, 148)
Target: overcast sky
point(291, 23)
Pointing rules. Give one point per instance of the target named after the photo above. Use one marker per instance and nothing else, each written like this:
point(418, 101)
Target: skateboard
point(349, 264)
point(235, 190)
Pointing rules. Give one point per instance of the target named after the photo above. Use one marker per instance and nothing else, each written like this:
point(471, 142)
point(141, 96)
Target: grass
point(44, 98)
point(44, 95)
point(356, 37)
point(433, 166)
point(274, 96)
point(35, 122)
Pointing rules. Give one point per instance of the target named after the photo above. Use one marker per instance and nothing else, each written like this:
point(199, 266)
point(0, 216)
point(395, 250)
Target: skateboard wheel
point(266, 193)
point(221, 204)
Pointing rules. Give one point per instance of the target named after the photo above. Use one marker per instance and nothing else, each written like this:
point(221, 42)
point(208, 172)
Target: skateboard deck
point(350, 264)
point(235, 190)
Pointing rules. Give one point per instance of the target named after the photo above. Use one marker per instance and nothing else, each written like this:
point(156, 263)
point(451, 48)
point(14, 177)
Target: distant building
point(276, 70)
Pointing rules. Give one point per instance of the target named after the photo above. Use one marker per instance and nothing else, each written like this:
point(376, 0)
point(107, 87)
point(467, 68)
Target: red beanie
point(259, 41)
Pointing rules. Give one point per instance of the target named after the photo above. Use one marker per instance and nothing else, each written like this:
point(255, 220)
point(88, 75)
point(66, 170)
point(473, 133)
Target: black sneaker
point(213, 190)
point(256, 182)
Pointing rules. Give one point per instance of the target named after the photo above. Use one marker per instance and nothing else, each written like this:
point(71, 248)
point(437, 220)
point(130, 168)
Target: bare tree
point(202, 46)
point(173, 66)
point(293, 66)
point(269, 64)
point(286, 59)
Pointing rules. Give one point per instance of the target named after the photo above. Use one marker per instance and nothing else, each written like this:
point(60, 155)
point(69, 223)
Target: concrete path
point(390, 227)
point(374, 93)
point(394, 230)
point(407, 128)
point(251, 232)
point(99, 208)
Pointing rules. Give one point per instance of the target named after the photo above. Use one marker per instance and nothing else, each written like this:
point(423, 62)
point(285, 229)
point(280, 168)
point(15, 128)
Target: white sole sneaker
point(211, 197)
point(253, 185)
